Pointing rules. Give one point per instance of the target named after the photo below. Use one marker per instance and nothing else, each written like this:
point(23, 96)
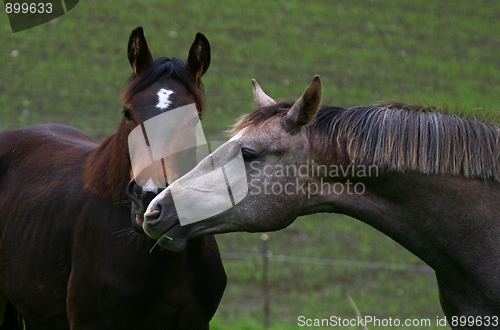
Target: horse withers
point(427, 179)
point(68, 256)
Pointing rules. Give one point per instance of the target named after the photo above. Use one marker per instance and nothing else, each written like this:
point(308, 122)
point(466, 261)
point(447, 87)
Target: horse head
point(238, 186)
point(156, 87)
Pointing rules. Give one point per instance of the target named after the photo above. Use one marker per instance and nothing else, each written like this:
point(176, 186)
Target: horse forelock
point(173, 68)
point(260, 116)
point(403, 138)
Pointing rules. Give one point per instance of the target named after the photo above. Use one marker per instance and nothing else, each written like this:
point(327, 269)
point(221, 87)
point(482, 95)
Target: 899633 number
point(28, 8)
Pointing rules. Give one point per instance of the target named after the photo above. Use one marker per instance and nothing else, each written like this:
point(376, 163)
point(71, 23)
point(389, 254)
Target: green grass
point(72, 70)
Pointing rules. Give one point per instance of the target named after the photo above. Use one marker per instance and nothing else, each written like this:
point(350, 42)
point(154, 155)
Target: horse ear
point(261, 98)
point(199, 56)
point(138, 52)
point(305, 108)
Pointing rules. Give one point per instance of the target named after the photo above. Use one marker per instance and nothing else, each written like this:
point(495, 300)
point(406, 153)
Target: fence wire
point(330, 262)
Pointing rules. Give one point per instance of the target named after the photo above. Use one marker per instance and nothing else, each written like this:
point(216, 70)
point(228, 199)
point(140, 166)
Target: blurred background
point(446, 53)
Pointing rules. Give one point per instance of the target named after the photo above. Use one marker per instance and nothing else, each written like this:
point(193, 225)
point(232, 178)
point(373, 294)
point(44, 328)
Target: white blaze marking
point(164, 98)
point(150, 186)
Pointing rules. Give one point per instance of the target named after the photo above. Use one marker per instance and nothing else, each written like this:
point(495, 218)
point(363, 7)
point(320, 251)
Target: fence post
point(266, 255)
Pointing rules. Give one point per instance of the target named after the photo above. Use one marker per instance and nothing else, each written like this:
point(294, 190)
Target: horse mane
point(173, 68)
point(260, 116)
point(395, 136)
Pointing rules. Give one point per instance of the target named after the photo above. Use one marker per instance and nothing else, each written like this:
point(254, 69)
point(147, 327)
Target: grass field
point(71, 71)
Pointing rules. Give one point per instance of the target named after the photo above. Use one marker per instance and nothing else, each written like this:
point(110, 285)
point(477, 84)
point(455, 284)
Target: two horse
point(427, 179)
point(68, 258)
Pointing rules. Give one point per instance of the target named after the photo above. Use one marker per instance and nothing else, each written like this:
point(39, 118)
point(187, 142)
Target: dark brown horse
point(68, 256)
point(427, 179)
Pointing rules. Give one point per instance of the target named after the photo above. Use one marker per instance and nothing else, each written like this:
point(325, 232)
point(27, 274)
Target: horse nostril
point(154, 213)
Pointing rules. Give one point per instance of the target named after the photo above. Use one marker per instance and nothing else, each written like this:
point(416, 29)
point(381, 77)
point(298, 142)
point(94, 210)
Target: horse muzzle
point(140, 200)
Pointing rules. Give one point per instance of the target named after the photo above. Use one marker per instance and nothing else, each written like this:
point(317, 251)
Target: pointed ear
point(199, 56)
point(305, 108)
point(138, 52)
point(261, 98)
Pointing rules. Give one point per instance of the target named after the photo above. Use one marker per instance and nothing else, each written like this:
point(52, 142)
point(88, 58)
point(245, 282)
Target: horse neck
point(445, 220)
point(107, 169)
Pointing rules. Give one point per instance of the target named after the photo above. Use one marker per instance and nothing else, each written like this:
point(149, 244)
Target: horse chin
point(177, 238)
point(172, 244)
point(174, 239)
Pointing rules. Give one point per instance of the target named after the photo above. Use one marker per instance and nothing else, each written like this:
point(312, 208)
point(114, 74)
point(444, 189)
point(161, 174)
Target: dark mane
point(173, 68)
point(403, 138)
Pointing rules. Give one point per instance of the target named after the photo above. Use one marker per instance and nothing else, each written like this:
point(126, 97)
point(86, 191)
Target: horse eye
point(248, 154)
point(127, 114)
